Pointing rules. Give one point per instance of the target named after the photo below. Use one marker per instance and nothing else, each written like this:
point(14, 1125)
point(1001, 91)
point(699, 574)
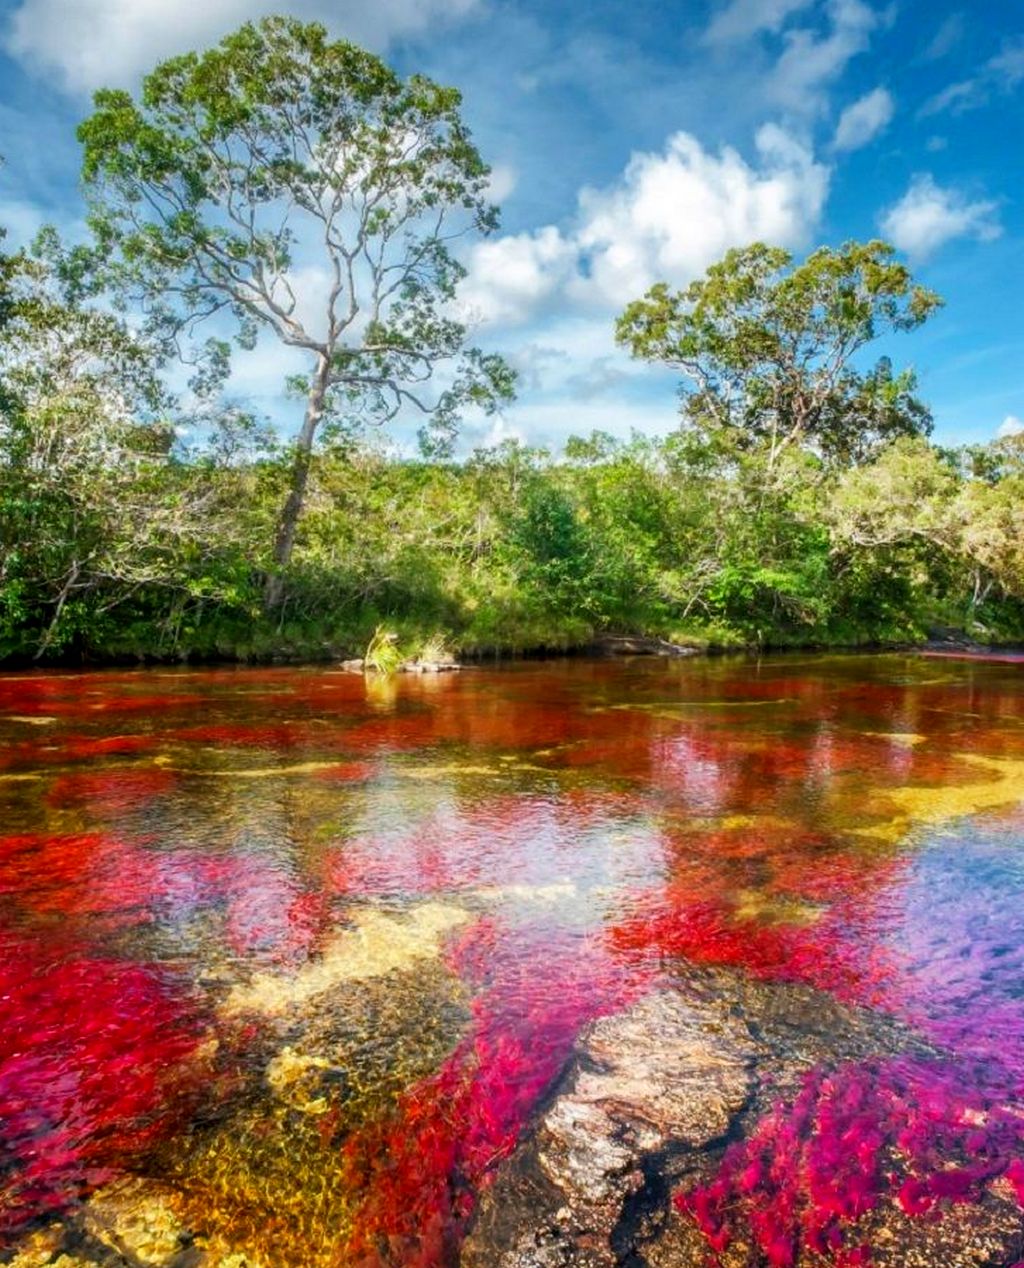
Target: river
point(289, 958)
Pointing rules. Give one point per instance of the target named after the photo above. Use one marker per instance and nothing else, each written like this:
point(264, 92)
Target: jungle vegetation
point(799, 502)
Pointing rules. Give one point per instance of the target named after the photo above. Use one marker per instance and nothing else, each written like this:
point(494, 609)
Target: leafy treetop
point(298, 185)
point(767, 349)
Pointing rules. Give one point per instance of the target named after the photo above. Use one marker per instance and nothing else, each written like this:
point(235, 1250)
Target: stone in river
point(666, 1075)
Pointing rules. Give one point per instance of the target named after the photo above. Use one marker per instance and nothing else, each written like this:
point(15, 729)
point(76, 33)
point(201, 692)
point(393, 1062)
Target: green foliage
point(383, 655)
point(240, 170)
point(767, 348)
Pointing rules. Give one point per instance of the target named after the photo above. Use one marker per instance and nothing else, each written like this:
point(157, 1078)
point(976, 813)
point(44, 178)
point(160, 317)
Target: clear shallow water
point(288, 958)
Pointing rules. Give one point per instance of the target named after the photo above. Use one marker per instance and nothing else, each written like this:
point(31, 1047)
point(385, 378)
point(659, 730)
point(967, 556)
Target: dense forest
point(800, 501)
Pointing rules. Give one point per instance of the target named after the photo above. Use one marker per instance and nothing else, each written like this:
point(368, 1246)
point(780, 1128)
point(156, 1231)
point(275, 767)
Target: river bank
point(412, 647)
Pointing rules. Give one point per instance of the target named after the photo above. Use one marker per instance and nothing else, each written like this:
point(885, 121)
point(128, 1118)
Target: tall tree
point(301, 187)
point(767, 350)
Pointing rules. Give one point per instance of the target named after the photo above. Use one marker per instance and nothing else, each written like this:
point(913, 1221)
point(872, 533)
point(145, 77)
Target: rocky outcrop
point(638, 645)
point(667, 1075)
point(649, 1102)
point(442, 665)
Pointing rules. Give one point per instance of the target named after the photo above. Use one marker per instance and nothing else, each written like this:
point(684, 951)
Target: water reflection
point(296, 954)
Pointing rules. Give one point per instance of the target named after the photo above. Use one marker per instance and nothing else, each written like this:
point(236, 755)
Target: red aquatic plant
point(94, 1068)
point(420, 1170)
point(821, 953)
point(111, 791)
point(88, 874)
point(923, 1133)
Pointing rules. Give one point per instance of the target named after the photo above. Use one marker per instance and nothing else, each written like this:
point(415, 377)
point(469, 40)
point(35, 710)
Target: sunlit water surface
point(300, 952)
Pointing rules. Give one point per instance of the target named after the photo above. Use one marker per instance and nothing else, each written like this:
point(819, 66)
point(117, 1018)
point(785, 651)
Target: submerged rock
point(374, 945)
point(667, 1075)
point(648, 1104)
point(445, 665)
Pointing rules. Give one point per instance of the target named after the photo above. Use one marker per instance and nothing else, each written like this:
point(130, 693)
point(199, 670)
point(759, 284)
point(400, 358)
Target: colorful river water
point(288, 957)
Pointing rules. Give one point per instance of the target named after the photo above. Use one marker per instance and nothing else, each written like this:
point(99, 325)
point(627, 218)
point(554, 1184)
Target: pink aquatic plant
point(925, 1133)
point(95, 1067)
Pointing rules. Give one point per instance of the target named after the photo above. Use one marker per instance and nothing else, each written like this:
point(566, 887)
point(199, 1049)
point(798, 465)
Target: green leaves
point(278, 157)
point(767, 348)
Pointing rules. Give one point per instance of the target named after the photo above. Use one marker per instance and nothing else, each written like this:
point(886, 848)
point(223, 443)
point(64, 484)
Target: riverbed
point(292, 961)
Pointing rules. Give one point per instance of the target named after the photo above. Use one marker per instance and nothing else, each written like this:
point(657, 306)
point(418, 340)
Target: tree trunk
point(288, 520)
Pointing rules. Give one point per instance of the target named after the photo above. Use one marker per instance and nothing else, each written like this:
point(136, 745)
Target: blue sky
point(636, 141)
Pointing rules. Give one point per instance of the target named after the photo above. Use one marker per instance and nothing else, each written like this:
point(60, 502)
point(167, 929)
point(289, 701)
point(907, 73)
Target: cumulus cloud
point(928, 215)
point(862, 121)
point(1010, 426)
point(676, 212)
point(743, 18)
point(89, 43)
point(511, 278)
point(668, 217)
point(811, 62)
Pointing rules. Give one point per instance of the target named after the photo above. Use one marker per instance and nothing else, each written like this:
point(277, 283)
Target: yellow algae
point(908, 739)
point(20, 777)
point(263, 772)
point(445, 771)
point(289, 1075)
point(269, 1184)
point(754, 904)
point(730, 823)
point(374, 945)
point(38, 1249)
point(34, 719)
point(927, 804)
point(135, 1217)
point(674, 710)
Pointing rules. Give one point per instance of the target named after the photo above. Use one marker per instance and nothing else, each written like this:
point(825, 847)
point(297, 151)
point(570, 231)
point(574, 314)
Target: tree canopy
point(298, 186)
point(768, 349)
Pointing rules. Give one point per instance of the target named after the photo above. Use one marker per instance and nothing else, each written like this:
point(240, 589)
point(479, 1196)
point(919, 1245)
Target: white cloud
point(668, 217)
point(1000, 74)
point(927, 216)
point(811, 62)
point(89, 43)
point(958, 97)
point(511, 278)
point(945, 39)
point(743, 18)
point(503, 181)
point(674, 213)
point(1010, 426)
point(1007, 67)
point(861, 122)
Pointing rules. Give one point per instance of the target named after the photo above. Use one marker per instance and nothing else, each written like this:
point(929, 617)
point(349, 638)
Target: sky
point(634, 141)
